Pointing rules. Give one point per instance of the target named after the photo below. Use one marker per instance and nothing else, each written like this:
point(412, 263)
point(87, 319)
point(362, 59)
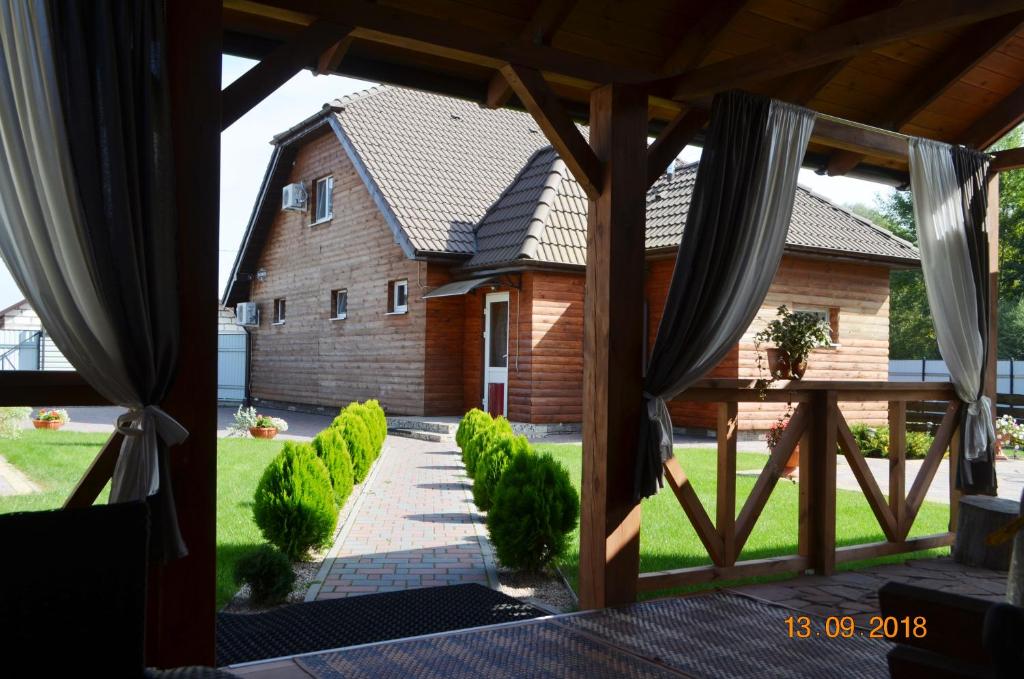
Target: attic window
point(339, 304)
point(279, 311)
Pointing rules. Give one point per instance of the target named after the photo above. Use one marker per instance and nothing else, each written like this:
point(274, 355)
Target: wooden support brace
point(884, 512)
point(943, 440)
point(699, 519)
point(725, 505)
point(671, 141)
point(97, 475)
point(821, 477)
point(332, 57)
point(547, 110)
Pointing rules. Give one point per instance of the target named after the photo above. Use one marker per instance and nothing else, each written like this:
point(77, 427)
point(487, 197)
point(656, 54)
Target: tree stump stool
point(979, 516)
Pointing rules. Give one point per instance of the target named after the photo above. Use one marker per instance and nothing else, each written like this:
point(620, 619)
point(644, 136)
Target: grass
point(55, 460)
point(667, 540)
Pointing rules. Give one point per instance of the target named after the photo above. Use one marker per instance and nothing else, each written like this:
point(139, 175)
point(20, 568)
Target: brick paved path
point(413, 525)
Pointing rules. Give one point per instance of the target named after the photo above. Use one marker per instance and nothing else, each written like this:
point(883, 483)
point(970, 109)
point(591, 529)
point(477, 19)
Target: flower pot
point(47, 424)
point(263, 432)
point(779, 362)
point(789, 471)
point(797, 367)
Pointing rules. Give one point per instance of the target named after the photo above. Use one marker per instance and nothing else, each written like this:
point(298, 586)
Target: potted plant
point(264, 427)
point(773, 436)
point(50, 418)
point(794, 334)
point(250, 423)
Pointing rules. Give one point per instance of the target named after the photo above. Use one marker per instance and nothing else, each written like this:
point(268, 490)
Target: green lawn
point(668, 541)
point(56, 460)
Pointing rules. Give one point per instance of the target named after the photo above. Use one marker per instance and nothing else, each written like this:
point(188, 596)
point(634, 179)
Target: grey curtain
point(950, 203)
point(86, 218)
point(731, 247)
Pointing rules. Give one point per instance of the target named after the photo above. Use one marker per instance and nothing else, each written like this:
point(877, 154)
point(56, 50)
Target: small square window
point(831, 318)
point(322, 199)
point(398, 297)
point(339, 304)
point(279, 310)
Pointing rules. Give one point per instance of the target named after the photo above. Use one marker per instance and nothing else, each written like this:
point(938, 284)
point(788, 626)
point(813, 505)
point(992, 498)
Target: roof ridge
point(867, 222)
point(344, 100)
point(539, 221)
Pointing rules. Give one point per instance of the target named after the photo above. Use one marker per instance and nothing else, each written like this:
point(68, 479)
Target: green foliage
point(483, 436)
point(468, 426)
point(370, 421)
point(795, 332)
point(535, 508)
point(491, 464)
point(11, 419)
point(294, 503)
point(331, 448)
point(874, 441)
point(918, 445)
point(379, 420)
point(357, 437)
point(269, 574)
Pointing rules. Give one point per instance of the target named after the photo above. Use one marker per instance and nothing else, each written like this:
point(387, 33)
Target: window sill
point(402, 312)
point(278, 323)
point(325, 220)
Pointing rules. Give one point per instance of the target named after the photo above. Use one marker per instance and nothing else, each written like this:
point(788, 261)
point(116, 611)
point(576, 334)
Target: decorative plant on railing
point(51, 418)
point(794, 334)
point(774, 436)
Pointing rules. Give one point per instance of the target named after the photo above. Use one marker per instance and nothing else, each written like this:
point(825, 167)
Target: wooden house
point(439, 266)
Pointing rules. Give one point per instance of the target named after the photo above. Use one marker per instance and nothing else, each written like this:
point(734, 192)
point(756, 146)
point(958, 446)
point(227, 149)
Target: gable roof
point(542, 218)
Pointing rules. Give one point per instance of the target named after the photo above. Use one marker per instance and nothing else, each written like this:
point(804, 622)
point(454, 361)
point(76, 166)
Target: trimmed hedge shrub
point(370, 421)
point(331, 448)
point(468, 426)
point(294, 503)
point(534, 509)
point(380, 421)
point(491, 463)
point(269, 574)
point(482, 438)
point(360, 446)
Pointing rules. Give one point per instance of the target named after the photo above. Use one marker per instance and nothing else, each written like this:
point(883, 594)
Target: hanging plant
point(794, 334)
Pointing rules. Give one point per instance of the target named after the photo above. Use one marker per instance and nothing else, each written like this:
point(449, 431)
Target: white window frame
point(395, 307)
point(323, 186)
point(280, 306)
point(335, 295)
point(825, 313)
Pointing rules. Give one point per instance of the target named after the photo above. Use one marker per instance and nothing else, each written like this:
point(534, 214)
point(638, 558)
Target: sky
point(245, 152)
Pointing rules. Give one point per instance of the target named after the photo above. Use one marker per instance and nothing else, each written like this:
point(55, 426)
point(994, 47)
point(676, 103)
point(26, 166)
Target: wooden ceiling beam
point(1010, 159)
point(697, 42)
point(936, 79)
point(332, 57)
point(529, 85)
point(547, 18)
point(277, 68)
point(842, 41)
point(676, 135)
point(999, 120)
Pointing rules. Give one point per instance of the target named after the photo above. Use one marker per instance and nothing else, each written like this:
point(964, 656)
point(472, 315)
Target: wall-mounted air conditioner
point(247, 314)
point(294, 198)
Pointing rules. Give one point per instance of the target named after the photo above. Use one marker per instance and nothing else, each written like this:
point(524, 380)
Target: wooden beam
point(918, 17)
point(96, 477)
point(883, 511)
point(670, 143)
point(696, 43)
point(725, 504)
point(561, 131)
point(877, 549)
point(58, 387)
point(277, 68)
point(181, 612)
point(898, 463)
point(332, 57)
point(821, 477)
point(930, 465)
point(654, 581)
point(1010, 159)
point(547, 18)
point(698, 517)
point(993, 125)
point(992, 236)
point(935, 79)
point(613, 349)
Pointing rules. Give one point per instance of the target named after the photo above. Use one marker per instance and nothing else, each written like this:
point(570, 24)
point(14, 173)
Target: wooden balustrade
point(822, 432)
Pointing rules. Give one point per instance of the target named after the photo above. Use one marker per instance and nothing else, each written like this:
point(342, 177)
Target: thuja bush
point(491, 464)
point(534, 509)
point(468, 426)
point(379, 420)
point(331, 448)
point(294, 503)
point(369, 421)
point(269, 574)
point(482, 438)
point(360, 446)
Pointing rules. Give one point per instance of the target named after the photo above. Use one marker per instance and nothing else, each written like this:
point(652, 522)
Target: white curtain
point(950, 280)
point(61, 260)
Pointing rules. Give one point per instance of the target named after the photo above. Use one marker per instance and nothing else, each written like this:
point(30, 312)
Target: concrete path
point(1009, 476)
point(13, 481)
point(413, 525)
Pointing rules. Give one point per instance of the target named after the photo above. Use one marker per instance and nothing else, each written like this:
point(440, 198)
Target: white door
point(496, 353)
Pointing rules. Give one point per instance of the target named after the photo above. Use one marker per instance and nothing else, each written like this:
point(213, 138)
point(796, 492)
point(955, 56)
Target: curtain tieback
point(142, 427)
point(661, 424)
point(980, 432)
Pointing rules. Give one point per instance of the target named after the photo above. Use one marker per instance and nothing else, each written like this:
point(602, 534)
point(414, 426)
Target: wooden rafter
point(838, 42)
point(694, 45)
point(999, 120)
point(671, 141)
point(936, 79)
point(547, 18)
point(332, 57)
point(277, 68)
point(529, 85)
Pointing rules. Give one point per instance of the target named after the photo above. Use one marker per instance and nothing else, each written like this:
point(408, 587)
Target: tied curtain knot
point(660, 423)
point(979, 432)
point(138, 466)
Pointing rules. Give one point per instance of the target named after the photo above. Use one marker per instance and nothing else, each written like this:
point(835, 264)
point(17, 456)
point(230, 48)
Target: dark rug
point(336, 623)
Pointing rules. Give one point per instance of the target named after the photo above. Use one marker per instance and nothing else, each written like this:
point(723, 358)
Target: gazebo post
point(613, 348)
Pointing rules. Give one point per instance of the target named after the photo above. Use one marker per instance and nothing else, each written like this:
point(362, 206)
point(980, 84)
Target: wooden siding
point(443, 348)
point(310, 358)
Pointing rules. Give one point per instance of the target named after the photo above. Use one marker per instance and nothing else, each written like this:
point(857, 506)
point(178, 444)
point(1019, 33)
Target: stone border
point(346, 527)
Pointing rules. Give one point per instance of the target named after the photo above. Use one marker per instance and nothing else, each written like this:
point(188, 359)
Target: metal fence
point(232, 363)
point(1009, 373)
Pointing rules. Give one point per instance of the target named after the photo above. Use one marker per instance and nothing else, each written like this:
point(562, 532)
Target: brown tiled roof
point(559, 228)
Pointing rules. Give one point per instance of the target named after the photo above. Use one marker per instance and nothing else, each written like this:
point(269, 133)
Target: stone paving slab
point(13, 481)
point(415, 525)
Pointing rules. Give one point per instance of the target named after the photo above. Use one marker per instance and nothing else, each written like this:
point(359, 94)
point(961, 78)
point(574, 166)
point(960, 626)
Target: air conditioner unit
point(294, 198)
point(247, 313)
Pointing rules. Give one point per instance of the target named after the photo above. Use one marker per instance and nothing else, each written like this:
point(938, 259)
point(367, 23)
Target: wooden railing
point(818, 426)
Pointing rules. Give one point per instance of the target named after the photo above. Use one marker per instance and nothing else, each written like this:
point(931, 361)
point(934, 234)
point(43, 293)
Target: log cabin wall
point(444, 348)
point(310, 358)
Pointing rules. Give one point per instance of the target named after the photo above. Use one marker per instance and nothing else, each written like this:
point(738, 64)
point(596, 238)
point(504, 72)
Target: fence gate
point(232, 359)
